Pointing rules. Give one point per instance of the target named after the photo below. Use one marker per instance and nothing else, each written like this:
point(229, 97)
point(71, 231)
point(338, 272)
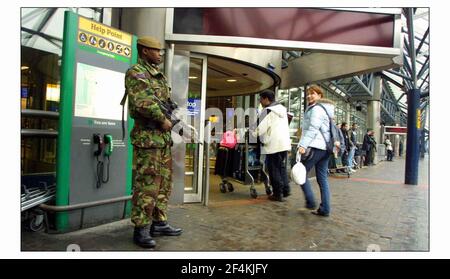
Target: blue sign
point(24, 92)
point(193, 106)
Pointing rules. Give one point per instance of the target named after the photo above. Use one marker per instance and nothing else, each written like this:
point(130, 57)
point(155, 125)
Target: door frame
point(199, 195)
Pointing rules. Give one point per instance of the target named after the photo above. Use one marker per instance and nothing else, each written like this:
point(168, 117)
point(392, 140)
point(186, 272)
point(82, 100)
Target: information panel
point(93, 160)
point(98, 92)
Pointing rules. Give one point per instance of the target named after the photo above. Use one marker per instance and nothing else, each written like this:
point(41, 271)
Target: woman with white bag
point(298, 172)
point(313, 147)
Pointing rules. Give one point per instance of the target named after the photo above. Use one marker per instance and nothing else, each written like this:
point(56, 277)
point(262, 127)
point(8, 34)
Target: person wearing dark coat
point(345, 153)
point(366, 147)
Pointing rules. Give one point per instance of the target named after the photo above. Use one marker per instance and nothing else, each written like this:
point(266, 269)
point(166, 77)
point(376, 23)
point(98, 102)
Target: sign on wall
point(395, 130)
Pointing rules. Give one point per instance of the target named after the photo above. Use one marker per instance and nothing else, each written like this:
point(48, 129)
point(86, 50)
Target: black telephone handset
point(98, 140)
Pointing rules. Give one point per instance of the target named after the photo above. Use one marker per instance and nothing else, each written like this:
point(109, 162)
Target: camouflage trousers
point(152, 185)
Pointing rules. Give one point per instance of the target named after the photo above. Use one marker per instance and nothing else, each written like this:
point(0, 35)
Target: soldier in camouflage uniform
point(151, 140)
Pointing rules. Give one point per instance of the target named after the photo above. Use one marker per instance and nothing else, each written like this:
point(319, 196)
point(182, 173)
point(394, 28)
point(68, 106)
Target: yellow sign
point(104, 31)
point(101, 43)
point(418, 119)
point(213, 119)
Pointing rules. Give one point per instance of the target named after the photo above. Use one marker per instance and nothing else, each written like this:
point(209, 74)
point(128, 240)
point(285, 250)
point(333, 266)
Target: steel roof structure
point(396, 82)
point(41, 28)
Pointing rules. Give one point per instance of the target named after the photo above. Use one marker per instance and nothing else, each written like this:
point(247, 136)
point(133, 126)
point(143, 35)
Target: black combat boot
point(142, 238)
point(163, 228)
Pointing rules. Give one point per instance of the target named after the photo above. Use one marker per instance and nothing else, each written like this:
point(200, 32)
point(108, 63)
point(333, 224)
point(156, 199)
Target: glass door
point(194, 159)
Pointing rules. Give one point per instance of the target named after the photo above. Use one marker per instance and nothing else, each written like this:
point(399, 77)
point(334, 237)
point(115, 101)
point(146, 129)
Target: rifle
point(168, 108)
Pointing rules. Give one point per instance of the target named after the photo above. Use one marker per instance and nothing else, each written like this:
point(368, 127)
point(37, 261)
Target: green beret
point(149, 42)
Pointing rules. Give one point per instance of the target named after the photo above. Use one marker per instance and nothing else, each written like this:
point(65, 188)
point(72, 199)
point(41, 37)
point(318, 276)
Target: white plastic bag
point(298, 172)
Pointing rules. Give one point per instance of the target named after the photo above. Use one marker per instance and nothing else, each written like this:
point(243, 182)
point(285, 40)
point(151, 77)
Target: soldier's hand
point(167, 125)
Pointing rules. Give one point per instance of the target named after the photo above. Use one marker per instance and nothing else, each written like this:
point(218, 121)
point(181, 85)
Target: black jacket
point(366, 143)
point(369, 143)
point(353, 137)
point(346, 139)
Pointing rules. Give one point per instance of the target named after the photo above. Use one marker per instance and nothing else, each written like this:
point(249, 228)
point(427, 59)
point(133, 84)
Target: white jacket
point(388, 144)
point(273, 130)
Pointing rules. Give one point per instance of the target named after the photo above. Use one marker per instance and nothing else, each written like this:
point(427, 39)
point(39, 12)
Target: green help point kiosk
point(93, 161)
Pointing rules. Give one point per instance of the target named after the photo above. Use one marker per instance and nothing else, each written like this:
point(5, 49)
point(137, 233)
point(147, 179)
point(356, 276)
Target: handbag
point(228, 139)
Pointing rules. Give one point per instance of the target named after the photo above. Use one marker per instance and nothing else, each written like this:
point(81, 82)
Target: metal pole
point(412, 51)
point(398, 74)
point(289, 100)
point(39, 113)
point(412, 142)
point(401, 96)
point(359, 81)
point(38, 133)
point(423, 69)
point(206, 154)
point(371, 82)
point(352, 87)
point(170, 51)
point(424, 80)
point(339, 87)
point(305, 103)
point(422, 41)
point(407, 70)
point(385, 77)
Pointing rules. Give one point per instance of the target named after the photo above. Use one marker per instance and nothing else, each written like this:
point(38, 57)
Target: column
point(396, 145)
point(107, 16)
point(348, 108)
point(412, 138)
point(374, 113)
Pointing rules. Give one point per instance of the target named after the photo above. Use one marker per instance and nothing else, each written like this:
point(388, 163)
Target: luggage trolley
point(36, 189)
point(335, 166)
point(241, 164)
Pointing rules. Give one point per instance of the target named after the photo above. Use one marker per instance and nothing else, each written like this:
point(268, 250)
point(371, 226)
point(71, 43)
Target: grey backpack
point(334, 133)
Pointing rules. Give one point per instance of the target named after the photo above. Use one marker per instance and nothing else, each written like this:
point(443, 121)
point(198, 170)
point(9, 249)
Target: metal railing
point(39, 132)
point(32, 197)
point(82, 206)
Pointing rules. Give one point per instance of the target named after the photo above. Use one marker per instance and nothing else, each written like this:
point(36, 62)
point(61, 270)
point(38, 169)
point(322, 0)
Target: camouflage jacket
point(143, 81)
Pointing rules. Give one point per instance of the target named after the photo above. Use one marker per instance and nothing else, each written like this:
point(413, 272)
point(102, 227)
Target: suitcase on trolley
point(238, 163)
point(224, 161)
point(243, 163)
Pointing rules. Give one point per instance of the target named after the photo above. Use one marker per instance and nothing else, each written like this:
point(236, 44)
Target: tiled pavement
point(373, 207)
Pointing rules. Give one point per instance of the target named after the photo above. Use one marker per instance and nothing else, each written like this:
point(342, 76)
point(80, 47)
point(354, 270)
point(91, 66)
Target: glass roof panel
point(32, 17)
point(49, 21)
point(54, 27)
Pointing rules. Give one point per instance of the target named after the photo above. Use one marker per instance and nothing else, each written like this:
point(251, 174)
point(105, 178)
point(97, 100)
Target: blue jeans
point(319, 159)
point(351, 154)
